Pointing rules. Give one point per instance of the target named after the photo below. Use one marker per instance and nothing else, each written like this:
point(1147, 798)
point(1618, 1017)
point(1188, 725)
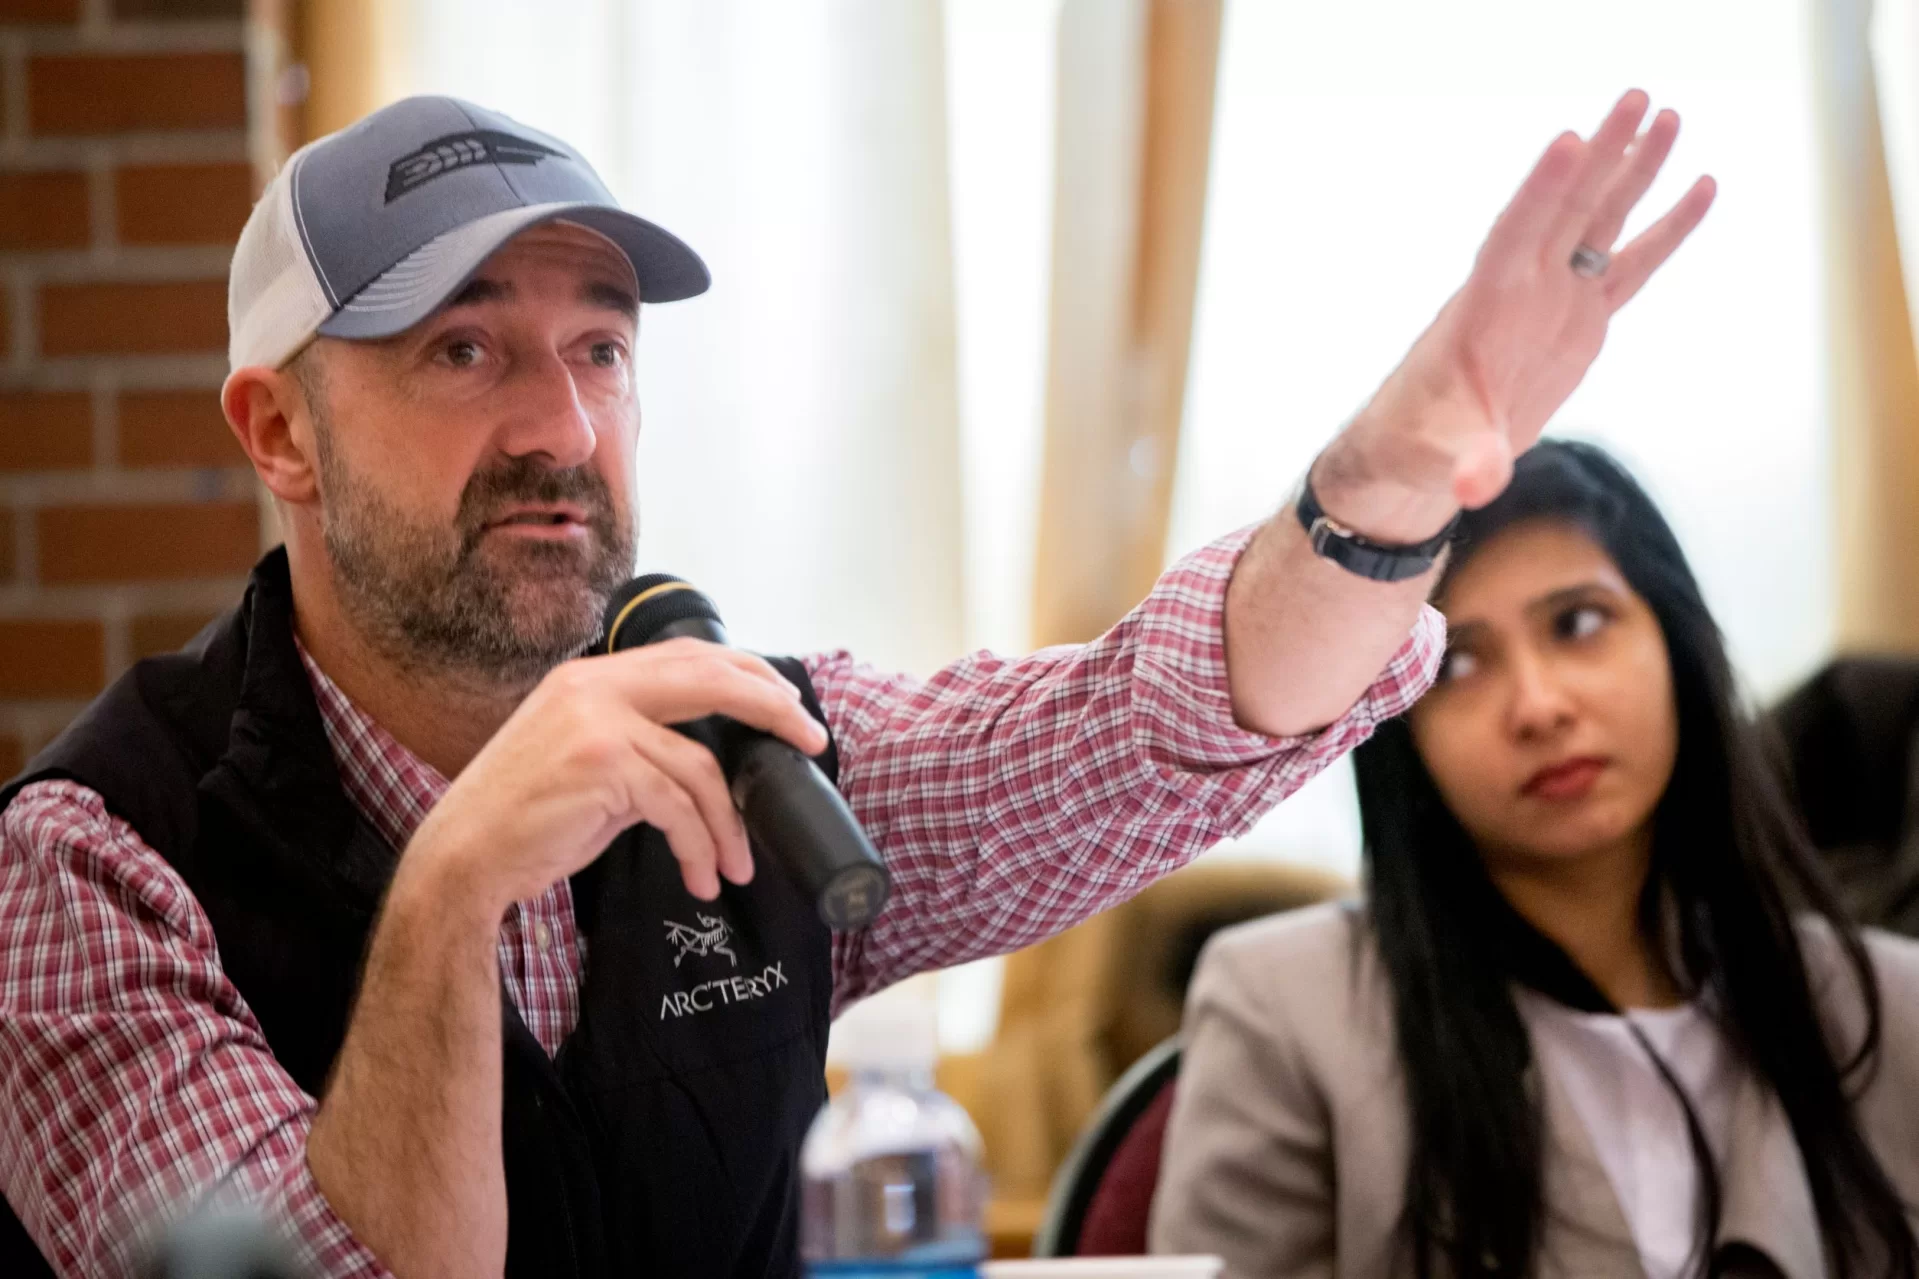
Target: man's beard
point(437, 598)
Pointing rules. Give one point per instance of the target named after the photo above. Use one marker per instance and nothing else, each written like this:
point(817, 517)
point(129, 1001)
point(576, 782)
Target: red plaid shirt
point(1011, 798)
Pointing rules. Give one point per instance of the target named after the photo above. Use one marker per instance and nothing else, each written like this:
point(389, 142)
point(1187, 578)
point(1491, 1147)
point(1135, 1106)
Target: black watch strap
point(1377, 561)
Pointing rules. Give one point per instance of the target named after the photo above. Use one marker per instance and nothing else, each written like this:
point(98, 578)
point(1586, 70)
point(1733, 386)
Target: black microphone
point(790, 809)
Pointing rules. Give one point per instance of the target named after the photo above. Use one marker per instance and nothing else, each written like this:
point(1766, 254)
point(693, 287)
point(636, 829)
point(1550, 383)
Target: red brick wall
point(128, 515)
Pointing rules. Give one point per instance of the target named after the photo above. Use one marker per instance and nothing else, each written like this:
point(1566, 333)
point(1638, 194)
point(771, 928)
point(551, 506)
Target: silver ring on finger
point(1590, 263)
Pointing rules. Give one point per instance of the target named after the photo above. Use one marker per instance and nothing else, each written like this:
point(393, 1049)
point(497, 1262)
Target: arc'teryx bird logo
point(458, 151)
point(709, 938)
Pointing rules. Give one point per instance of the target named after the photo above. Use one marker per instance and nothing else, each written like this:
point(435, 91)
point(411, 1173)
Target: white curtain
point(1000, 65)
point(800, 455)
point(1363, 148)
point(1895, 56)
point(804, 456)
point(842, 439)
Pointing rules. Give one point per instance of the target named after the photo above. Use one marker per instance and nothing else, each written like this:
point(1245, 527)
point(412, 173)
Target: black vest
point(664, 1138)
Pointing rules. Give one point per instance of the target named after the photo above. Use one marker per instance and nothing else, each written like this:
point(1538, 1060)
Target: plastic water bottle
point(890, 1171)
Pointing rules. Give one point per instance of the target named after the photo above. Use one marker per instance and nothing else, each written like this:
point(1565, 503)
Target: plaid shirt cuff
point(323, 1243)
point(1183, 707)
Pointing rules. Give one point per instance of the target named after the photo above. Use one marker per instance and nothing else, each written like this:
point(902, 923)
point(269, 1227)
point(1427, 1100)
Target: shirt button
point(542, 936)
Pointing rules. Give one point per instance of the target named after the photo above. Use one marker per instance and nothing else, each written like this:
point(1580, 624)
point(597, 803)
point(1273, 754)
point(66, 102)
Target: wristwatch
point(1377, 561)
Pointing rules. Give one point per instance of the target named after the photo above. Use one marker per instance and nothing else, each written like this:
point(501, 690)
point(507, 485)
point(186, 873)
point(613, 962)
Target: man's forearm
point(406, 1145)
point(1306, 638)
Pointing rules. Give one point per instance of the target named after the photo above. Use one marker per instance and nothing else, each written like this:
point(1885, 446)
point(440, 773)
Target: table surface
point(1011, 1225)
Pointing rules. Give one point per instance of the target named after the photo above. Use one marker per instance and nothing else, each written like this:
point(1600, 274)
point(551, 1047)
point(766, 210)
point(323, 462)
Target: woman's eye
point(1457, 664)
point(1582, 621)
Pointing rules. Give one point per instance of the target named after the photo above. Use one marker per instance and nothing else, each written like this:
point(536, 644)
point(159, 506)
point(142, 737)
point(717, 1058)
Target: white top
point(1637, 1126)
point(1162, 1267)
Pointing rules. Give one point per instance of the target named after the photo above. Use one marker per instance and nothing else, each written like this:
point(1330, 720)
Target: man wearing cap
point(382, 908)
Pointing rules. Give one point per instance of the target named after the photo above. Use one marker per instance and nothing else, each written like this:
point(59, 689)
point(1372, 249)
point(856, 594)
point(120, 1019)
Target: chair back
point(1103, 1197)
point(1078, 1009)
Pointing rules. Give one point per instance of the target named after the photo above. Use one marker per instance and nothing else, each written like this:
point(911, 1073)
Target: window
point(1362, 149)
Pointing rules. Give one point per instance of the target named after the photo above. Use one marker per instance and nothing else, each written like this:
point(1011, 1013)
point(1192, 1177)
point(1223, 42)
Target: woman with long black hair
point(1599, 1014)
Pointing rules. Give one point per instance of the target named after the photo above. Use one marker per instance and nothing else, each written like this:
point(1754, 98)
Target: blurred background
point(1015, 301)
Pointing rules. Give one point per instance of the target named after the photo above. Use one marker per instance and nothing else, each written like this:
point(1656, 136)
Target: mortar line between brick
point(218, 35)
point(26, 546)
point(102, 202)
point(118, 637)
point(13, 60)
point(104, 384)
point(183, 146)
point(23, 316)
point(96, 18)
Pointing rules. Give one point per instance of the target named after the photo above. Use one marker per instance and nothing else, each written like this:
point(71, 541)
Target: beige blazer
point(1289, 1140)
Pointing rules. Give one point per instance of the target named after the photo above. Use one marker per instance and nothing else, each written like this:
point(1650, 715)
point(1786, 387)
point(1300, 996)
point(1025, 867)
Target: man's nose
point(544, 416)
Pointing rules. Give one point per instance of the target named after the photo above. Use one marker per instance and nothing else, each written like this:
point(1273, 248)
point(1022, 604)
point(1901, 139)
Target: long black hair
point(1730, 870)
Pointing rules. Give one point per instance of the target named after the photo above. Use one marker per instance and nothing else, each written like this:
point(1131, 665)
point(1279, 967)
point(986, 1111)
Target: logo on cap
point(458, 151)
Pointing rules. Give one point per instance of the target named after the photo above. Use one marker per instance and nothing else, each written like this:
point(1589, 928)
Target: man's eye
point(1581, 621)
point(462, 354)
point(608, 355)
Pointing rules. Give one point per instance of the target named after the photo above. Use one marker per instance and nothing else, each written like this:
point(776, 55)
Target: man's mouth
point(557, 525)
point(541, 517)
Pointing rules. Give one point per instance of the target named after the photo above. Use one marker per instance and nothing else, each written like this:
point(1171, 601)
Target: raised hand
point(1507, 350)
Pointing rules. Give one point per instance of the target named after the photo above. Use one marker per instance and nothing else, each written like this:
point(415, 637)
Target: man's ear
point(268, 413)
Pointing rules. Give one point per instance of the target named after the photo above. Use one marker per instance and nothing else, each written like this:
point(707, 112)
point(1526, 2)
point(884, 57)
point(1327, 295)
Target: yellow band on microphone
point(612, 632)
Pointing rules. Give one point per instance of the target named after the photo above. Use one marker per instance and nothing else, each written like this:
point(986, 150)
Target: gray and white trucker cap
point(364, 232)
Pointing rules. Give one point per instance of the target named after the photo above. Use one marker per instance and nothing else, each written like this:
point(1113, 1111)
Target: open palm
point(1507, 350)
